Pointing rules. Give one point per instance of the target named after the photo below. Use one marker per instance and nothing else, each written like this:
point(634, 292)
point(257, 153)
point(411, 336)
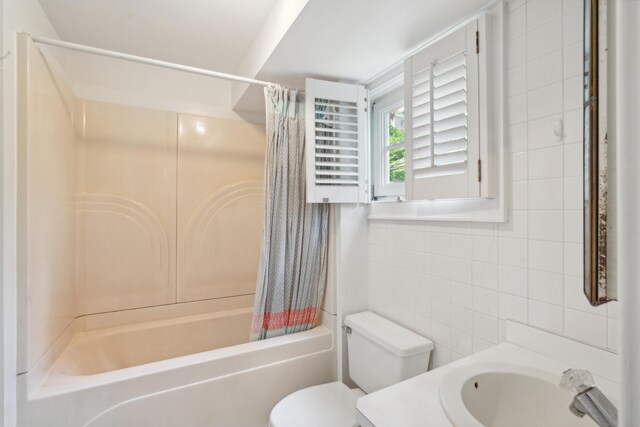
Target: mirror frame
point(595, 153)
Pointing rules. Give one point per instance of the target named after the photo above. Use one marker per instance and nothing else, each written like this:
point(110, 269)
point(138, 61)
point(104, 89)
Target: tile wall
point(457, 282)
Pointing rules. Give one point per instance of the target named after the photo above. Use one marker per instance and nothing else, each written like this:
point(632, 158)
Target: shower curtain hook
point(4, 57)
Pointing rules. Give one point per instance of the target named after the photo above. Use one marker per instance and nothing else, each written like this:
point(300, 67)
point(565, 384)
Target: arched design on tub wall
point(219, 254)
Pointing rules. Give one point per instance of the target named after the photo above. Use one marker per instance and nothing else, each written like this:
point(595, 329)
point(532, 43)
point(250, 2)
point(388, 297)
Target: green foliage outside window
point(396, 156)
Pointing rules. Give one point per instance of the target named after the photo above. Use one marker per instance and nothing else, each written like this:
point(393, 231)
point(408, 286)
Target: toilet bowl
point(381, 353)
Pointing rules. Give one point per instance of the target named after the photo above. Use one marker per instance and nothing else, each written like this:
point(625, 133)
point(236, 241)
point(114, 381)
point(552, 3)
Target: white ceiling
point(214, 34)
point(353, 40)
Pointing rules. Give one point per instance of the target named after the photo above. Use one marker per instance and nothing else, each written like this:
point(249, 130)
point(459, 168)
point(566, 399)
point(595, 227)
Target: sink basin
point(505, 395)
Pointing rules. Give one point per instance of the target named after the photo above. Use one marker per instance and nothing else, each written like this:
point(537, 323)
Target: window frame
point(379, 108)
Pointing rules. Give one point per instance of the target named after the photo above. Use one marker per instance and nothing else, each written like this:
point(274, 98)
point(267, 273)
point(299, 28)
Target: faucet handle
point(576, 380)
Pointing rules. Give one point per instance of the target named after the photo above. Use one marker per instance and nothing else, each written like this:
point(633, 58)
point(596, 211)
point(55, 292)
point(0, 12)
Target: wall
point(17, 16)
point(457, 282)
point(46, 203)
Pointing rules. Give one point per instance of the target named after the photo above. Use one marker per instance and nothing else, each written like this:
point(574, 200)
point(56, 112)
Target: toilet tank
point(382, 353)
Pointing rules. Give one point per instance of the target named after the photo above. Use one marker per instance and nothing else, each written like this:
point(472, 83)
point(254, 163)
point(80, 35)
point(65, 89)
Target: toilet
point(381, 353)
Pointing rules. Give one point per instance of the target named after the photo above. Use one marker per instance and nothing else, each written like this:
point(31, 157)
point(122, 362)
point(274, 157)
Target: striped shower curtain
point(293, 264)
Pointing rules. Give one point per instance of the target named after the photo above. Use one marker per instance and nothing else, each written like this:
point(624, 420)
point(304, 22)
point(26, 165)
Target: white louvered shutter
point(336, 148)
point(442, 118)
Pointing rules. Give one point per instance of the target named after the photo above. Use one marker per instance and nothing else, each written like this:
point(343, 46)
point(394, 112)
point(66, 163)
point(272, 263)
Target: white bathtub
point(195, 369)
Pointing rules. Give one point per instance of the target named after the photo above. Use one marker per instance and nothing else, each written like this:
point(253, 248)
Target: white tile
point(546, 225)
point(441, 311)
point(512, 252)
point(516, 227)
point(516, 53)
point(461, 319)
point(440, 289)
point(461, 270)
point(585, 327)
point(546, 287)
point(512, 307)
point(573, 126)
point(544, 38)
point(425, 263)
point(545, 256)
point(461, 343)
point(573, 226)
point(572, 60)
point(485, 248)
point(568, 5)
point(440, 356)
point(574, 297)
point(423, 241)
point(512, 5)
point(541, 11)
point(517, 108)
point(517, 80)
point(422, 305)
point(517, 137)
point(441, 243)
point(485, 274)
point(519, 166)
point(516, 22)
point(546, 316)
point(481, 345)
point(485, 301)
point(544, 70)
point(545, 194)
point(462, 246)
point(572, 27)
point(612, 309)
point(573, 193)
point(573, 259)
point(612, 334)
point(440, 266)
point(462, 295)
point(542, 102)
point(512, 280)
point(485, 327)
point(573, 159)
point(540, 132)
point(422, 326)
point(440, 333)
point(546, 163)
point(518, 194)
point(573, 93)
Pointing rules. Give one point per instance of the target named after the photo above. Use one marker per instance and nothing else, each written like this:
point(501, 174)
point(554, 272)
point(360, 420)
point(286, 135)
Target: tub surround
point(416, 402)
point(69, 388)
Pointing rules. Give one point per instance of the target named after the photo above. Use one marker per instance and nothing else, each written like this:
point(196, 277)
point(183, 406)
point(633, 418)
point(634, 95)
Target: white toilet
point(381, 353)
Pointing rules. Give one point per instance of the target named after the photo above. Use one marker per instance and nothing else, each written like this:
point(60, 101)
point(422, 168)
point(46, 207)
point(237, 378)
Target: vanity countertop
point(415, 402)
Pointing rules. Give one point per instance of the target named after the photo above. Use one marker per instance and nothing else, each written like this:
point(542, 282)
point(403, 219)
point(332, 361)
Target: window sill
point(460, 210)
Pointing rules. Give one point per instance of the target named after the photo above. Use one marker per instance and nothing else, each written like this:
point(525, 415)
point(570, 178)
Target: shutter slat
point(322, 172)
point(459, 72)
point(335, 104)
point(337, 122)
point(453, 98)
point(450, 134)
point(336, 164)
point(334, 156)
point(451, 158)
point(451, 110)
point(335, 138)
point(450, 123)
point(451, 146)
point(335, 148)
point(448, 64)
point(459, 84)
point(326, 181)
point(336, 130)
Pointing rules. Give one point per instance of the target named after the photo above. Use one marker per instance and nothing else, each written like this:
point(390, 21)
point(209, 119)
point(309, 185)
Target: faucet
point(588, 399)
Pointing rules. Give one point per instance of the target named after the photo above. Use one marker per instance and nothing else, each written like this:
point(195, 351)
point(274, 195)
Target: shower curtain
point(293, 264)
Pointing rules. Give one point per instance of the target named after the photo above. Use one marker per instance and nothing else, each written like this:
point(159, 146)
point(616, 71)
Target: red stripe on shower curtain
point(272, 321)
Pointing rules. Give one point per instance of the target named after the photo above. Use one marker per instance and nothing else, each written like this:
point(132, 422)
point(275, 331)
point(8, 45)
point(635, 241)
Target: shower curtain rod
point(149, 61)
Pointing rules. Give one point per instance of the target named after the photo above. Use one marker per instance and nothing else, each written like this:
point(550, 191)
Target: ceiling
point(353, 40)
point(347, 40)
point(213, 34)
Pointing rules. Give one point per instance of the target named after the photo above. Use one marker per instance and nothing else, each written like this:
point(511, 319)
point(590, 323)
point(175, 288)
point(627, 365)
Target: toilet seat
point(331, 404)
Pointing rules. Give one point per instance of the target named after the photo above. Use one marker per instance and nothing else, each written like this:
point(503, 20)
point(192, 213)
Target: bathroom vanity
point(528, 356)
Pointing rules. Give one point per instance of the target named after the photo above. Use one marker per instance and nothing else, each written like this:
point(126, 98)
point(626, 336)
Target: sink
point(506, 395)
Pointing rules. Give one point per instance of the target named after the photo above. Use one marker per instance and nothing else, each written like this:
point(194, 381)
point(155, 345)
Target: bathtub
point(172, 366)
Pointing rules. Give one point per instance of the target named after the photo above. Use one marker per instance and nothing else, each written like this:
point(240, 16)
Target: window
point(389, 142)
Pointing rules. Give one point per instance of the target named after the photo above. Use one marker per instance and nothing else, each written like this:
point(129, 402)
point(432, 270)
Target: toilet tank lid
point(395, 338)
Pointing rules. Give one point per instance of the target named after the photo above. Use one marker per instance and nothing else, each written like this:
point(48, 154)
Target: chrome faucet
point(588, 400)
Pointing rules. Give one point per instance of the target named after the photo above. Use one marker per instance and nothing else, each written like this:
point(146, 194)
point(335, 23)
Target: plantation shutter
point(442, 118)
point(336, 151)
